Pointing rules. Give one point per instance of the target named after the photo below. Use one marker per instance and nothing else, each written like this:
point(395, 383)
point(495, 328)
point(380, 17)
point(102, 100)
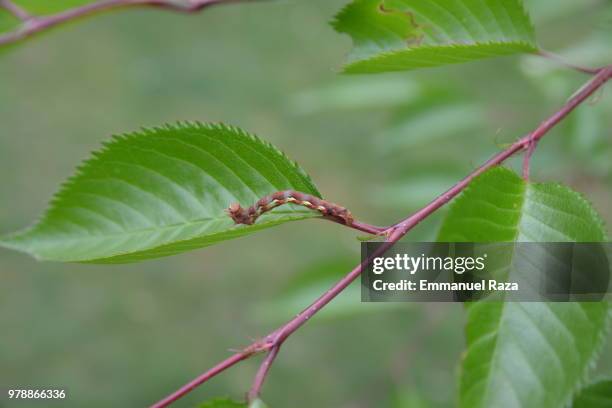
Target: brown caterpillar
point(249, 215)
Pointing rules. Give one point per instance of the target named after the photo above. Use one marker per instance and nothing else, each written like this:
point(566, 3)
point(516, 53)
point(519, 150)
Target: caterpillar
point(250, 214)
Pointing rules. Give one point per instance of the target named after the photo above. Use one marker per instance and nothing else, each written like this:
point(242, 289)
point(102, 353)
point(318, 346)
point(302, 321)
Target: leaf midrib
point(494, 355)
point(68, 237)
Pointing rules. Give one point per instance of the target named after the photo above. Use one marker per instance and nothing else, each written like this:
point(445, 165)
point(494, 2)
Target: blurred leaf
point(521, 354)
point(595, 395)
point(546, 10)
point(590, 139)
point(7, 21)
point(310, 283)
point(159, 192)
point(409, 399)
point(414, 190)
point(223, 403)
point(397, 35)
point(429, 124)
point(357, 93)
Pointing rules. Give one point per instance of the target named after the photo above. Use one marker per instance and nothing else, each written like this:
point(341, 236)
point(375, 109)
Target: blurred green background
point(126, 335)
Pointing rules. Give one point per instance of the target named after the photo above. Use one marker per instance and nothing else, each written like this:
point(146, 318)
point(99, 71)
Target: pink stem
point(558, 59)
point(260, 377)
point(275, 338)
point(185, 389)
point(527, 160)
point(33, 24)
point(15, 10)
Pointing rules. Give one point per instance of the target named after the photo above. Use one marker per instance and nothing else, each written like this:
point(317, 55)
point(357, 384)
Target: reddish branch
point(273, 341)
point(35, 24)
point(260, 377)
point(15, 10)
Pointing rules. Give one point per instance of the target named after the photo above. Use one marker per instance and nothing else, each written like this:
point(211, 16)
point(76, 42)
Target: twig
point(260, 377)
point(394, 234)
point(560, 60)
point(36, 24)
point(222, 366)
point(15, 10)
point(531, 146)
point(278, 336)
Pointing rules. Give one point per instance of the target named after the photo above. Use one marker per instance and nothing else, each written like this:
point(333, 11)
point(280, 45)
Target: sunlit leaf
point(397, 35)
point(525, 354)
point(160, 192)
point(346, 93)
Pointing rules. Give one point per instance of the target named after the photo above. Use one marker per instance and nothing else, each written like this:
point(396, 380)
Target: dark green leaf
point(525, 354)
point(397, 35)
point(160, 192)
point(595, 395)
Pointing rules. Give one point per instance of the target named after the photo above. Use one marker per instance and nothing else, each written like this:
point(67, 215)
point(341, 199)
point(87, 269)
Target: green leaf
point(223, 403)
point(310, 283)
point(8, 21)
point(398, 35)
point(595, 395)
point(351, 93)
point(43, 7)
point(525, 354)
point(163, 191)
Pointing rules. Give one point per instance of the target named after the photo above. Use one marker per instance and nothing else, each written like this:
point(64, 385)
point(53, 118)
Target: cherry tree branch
point(527, 159)
point(272, 342)
point(260, 377)
point(185, 389)
point(276, 337)
point(15, 10)
point(36, 24)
